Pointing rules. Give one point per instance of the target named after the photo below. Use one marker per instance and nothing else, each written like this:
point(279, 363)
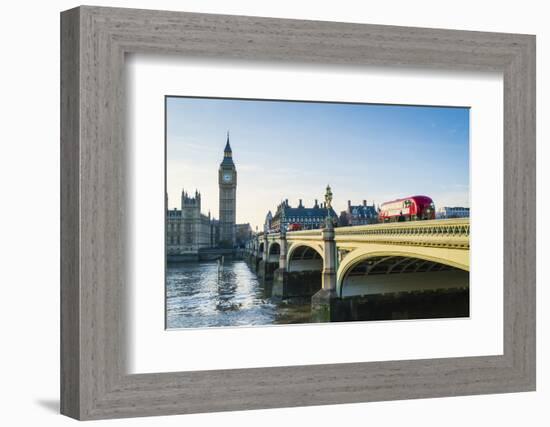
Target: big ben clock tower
point(227, 181)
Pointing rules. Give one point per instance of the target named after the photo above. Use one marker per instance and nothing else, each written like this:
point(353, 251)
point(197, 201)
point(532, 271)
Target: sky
point(292, 150)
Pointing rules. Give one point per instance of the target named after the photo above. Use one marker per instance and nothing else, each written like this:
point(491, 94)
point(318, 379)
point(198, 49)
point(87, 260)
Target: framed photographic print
point(261, 213)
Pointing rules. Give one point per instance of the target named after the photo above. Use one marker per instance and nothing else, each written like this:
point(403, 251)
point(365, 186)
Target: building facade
point(227, 181)
point(187, 229)
point(306, 218)
point(452, 212)
point(358, 214)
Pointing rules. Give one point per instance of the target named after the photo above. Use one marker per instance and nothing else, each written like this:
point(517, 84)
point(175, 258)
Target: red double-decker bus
point(294, 227)
point(412, 208)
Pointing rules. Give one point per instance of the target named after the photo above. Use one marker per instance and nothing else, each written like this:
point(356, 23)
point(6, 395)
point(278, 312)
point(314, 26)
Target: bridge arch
point(273, 252)
point(304, 256)
point(274, 248)
point(396, 259)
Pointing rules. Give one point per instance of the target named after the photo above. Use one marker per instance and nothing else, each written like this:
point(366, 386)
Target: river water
point(202, 295)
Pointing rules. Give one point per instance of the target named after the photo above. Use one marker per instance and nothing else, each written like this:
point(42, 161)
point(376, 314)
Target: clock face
point(227, 177)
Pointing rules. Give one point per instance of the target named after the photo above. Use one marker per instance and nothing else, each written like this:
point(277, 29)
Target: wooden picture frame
point(94, 382)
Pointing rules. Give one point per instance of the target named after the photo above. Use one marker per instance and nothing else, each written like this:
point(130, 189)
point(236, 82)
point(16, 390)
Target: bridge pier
point(261, 267)
point(266, 269)
point(280, 275)
point(253, 261)
point(250, 257)
point(324, 304)
point(295, 284)
point(257, 255)
point(257, 264)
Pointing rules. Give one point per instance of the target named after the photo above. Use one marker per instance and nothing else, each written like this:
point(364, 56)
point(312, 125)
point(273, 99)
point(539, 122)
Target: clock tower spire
point(227, 182)
point(227, 153)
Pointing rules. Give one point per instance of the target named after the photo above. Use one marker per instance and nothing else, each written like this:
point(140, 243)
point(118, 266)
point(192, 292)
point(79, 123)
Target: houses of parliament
point(188, 230)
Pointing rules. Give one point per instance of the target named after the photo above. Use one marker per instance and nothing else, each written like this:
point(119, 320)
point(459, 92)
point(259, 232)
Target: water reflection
point(203, 295)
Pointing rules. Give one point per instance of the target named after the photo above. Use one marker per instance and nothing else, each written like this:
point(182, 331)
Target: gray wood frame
point(94, 41)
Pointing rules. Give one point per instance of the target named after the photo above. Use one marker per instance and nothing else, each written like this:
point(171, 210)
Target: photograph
point(294, 211)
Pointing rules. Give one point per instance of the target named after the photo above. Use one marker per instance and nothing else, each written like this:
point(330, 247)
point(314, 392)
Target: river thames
point(203, 294)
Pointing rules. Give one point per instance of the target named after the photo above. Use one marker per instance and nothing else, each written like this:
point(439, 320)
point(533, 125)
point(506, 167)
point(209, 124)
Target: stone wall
point(296, 284)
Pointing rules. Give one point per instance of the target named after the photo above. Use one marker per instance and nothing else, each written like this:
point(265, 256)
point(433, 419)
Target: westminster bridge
point(411, 269)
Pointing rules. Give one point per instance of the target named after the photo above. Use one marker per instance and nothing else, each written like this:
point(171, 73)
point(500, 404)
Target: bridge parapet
point(443, 233)
point(303, 235)
point(273, 236)
point(446, 233)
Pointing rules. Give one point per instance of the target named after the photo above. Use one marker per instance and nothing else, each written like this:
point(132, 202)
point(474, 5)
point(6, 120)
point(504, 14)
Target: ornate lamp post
point(328, 203)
